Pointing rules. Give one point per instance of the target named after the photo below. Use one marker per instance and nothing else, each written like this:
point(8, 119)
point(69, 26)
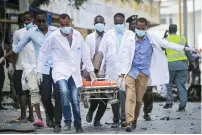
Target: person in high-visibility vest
point(178, 70)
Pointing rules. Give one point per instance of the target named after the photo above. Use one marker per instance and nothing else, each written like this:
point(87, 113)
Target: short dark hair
point(142, 20)
point(119, 15)
point(29, 13)
point(172, 28)
point(63, 16)
point(98, 16)
point(40, 12)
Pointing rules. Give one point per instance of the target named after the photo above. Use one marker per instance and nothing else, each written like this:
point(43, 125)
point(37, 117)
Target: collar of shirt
point(97, 35)
point(50, 29)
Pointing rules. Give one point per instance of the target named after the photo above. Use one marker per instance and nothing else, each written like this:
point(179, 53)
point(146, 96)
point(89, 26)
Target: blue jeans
point(69, 93)
point(178, 77)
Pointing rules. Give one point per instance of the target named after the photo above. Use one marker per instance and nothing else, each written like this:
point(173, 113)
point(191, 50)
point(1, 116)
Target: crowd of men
point(59, 58)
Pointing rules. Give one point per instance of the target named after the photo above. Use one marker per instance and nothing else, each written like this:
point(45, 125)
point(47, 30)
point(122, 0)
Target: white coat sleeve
point(45, 51)
point(87, 42)
point(103, 48)
point(85, 56)
point(165, 44)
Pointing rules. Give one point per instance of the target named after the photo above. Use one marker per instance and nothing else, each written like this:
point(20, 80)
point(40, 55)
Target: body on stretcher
point(100, 89)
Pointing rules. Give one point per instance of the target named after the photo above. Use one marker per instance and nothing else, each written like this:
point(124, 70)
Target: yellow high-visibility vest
point(174, 55)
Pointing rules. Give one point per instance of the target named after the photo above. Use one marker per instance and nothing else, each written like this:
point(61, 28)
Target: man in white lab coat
point(112, 45)
point(142, 64)
point(93, 42)
point(67, 48)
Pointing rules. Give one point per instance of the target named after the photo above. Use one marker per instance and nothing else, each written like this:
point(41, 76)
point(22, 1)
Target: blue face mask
point(119, 28)
point(140, 33)
point(66, 30)
point(28, 26)
point(100, 27)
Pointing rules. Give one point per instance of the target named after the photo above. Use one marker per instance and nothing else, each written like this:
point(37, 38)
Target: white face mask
point(28, 26)
point(66, 30)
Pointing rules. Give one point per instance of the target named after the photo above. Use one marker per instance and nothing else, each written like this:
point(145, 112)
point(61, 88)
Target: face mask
point(28, 26)
point(66, 30)
point(99, 27)
point(140, 33)
point(119, 28)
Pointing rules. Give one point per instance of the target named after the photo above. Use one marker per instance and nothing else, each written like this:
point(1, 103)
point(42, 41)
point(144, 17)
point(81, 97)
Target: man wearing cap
point(148, 96)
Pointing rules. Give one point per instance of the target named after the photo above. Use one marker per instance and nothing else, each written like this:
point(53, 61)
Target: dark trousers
point(46, 97)
point(2, 78)
point(102, 106)
point(148, 100)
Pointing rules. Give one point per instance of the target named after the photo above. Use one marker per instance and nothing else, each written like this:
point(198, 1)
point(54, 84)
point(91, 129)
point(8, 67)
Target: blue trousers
point(70, 94)
point(179, 78)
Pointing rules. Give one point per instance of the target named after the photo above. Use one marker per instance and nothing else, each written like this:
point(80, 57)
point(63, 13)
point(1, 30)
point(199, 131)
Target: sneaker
point(167, 106)
point(129, 128)
point(147, 117)
point(50, 123)
point(79, 130)
point(30, 118)
point(38, 123)
point(115, 125)
point(67, 126)
point(19, 120)
point(89, 116)
point(181, 109)
point(123, 124)
point(97, 124)
point(57, 128)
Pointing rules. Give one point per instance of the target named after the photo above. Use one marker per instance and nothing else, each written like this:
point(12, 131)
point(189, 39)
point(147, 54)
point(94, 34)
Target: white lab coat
point(112, 59)
point(159, 73)
point(91, 43)
point(66, 60)
point(26, 58)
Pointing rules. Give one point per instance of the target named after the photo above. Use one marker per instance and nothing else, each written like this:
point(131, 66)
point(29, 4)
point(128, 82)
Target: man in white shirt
point(93, 42)
point(67, 48)
point(112, 45)
point(18, 77)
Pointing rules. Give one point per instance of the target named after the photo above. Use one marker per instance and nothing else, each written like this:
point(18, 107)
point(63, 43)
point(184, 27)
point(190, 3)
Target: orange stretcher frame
point(98, 83)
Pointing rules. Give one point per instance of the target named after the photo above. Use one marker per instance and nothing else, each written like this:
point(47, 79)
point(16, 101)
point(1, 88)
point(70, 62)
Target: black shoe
point(97, 124)
point(123, 123)
point(79, 130)
point(115, 125)
point(129, 128)
point(167, 106)
point(57, 128)
point(89, 116)
point(50, 122)
point(147, 117)
point(181, 109)
point(67, 126)
point(30, 118)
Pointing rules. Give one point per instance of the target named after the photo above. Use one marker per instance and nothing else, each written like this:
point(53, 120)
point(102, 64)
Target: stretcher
point(100, 89)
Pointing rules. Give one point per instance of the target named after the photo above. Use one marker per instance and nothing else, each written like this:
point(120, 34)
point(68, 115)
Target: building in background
point(169, 14)
point(83, 18)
